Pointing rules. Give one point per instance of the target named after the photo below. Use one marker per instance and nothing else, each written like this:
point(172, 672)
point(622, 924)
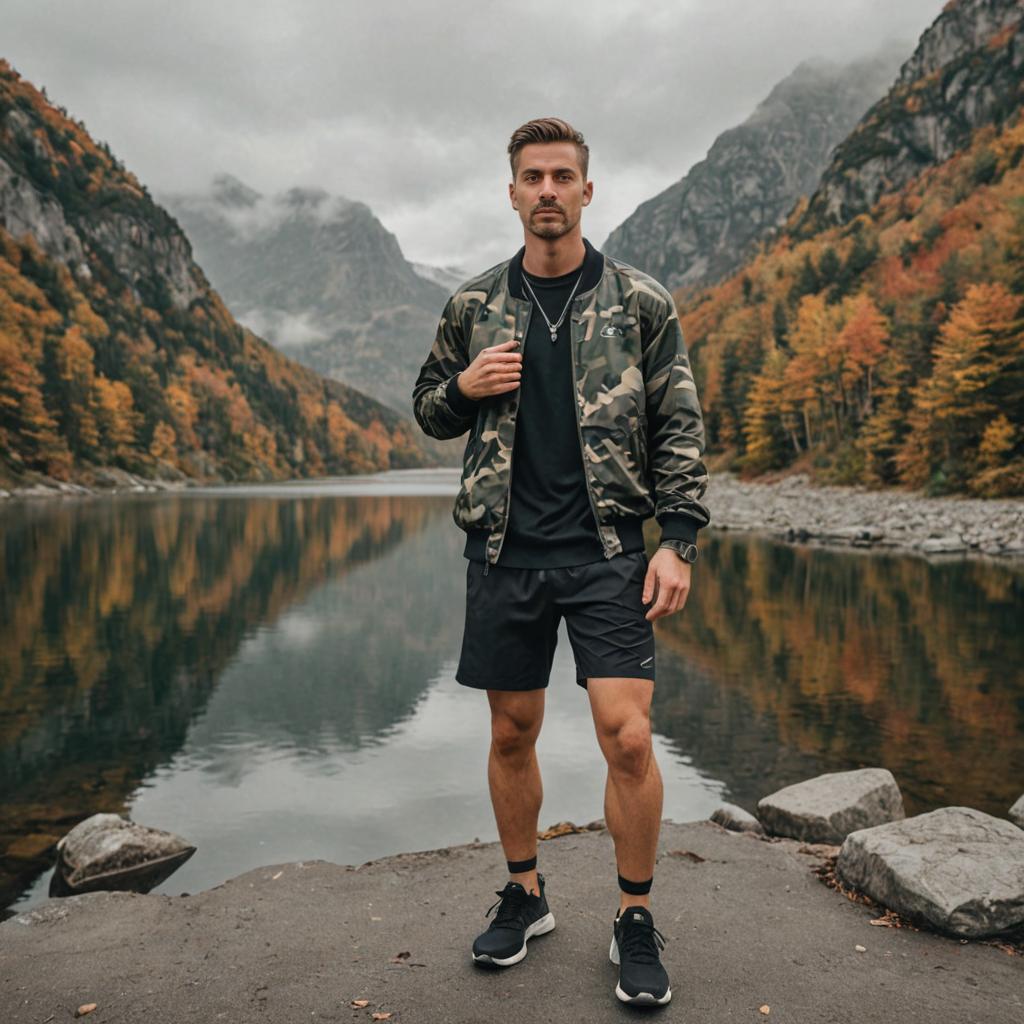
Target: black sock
point(636, 888)
point(517, 867)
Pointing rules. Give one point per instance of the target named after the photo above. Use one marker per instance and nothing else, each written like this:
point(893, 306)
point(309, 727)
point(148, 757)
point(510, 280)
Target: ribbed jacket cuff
point(678, 526)
point(457, 400)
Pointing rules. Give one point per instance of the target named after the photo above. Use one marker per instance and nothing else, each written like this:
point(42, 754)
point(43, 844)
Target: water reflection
point(798, 660)
point(269, 671)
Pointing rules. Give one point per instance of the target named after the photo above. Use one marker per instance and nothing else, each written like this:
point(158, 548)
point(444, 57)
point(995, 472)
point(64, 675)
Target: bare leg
point(634, 790)
point(514, 775)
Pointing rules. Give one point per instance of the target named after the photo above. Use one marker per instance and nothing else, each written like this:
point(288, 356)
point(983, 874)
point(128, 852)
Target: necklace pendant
point(554, 337)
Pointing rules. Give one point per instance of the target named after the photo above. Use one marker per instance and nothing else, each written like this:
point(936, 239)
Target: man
point(568, 367)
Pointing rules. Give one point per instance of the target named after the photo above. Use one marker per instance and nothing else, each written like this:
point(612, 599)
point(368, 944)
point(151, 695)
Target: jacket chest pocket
point(489, 329)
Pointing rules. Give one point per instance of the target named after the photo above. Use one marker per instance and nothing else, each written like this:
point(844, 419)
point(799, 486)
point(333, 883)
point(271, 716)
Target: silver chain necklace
point(553, 327)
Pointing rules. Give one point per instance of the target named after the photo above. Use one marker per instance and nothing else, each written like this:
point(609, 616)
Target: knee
point(511, 738)
point(629, 748)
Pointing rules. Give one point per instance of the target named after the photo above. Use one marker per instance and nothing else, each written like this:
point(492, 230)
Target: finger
point(502, 346)
point(650, 583)
point(671, 598)
point(661, 606)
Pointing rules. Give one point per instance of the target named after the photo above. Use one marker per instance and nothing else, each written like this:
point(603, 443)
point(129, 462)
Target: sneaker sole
point(539, 927)
point(641, 998)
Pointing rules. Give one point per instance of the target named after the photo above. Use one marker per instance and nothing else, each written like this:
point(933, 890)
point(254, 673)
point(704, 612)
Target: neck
point(551, 257)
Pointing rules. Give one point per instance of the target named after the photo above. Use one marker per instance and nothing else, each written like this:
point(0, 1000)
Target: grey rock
point(827, 808)
point(106, 851)
point(942, 545)
point(957, 868)
point(1016, 812)
point(736, 819)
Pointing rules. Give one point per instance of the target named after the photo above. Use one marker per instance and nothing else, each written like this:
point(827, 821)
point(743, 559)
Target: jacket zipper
point(579, 434)
point(511, 451)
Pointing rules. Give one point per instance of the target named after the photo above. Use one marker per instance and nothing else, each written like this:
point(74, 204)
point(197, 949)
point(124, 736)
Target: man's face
point(549, 191)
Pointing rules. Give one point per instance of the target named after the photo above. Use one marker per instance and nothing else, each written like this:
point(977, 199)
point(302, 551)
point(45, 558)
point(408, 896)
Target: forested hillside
point(115, 350)
point(879, 338)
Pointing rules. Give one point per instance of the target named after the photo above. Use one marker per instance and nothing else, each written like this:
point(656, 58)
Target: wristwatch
point(686, 551)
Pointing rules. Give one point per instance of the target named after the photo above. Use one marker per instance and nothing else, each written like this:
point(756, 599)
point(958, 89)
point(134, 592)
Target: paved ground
point(749, 925)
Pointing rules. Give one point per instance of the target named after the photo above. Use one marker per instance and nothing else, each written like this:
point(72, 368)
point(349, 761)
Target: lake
point(268, 671)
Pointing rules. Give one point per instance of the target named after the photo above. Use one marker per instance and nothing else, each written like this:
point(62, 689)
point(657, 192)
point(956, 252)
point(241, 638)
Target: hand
point(493, 371)
point(668, 580)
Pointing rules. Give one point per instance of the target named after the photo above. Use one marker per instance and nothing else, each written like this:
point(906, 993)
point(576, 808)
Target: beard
point(550, 227)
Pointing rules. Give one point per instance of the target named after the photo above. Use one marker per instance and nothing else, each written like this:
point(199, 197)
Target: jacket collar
point(593, 268)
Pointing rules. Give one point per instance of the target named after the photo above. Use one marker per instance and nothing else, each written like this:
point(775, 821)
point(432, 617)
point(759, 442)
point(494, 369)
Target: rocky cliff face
point(138, 239)
point(321, 278)
point(965, 73)
point(701, 228)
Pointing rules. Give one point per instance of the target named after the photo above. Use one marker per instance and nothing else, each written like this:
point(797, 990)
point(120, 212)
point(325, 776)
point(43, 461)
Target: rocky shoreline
point(790, 508)
point(794, 509)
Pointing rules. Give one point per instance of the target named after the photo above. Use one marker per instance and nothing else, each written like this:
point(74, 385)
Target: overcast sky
point(409, 108)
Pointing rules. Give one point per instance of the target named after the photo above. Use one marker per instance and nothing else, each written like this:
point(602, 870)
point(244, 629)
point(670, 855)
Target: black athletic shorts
point(512, 618)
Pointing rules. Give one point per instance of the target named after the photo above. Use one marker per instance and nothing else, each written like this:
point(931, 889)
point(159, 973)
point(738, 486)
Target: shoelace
point(511, 906)
point(640, 941)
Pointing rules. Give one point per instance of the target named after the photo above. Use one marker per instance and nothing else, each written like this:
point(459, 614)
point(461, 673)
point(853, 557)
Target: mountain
point(878, 336)
point(701, 228)
point(965, 73)
point(116, 351)
point(449, 278)
point(321, 278)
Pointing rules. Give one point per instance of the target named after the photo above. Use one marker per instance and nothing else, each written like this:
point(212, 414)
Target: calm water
point(269, 672)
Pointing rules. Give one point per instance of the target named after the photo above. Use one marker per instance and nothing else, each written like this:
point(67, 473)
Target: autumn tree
point(978, 373)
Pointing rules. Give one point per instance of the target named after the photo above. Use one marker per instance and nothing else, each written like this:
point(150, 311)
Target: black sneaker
point(635, 942)
point(520, 916)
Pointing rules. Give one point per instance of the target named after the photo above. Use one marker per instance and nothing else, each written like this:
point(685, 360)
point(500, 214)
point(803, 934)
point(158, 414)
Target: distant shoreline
point(791, 509)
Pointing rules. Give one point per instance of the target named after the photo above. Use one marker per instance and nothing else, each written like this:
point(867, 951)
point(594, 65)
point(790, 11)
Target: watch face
point(687, 552)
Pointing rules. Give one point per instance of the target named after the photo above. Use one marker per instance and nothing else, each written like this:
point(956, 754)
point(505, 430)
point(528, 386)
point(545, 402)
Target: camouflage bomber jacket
point(640, 427)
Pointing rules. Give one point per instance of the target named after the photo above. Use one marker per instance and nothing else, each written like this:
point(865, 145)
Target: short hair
point(547, 129)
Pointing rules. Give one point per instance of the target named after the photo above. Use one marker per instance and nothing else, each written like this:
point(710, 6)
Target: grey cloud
point(409, 108)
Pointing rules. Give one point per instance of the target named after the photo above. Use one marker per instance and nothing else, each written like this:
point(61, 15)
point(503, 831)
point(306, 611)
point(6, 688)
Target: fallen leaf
point(766, 1009)
point(360, 1002)
point(382, 1016)
point(400, 957)
point(860, 948)
point(563, 828)
point(84, 1009)
point(695, 857)
point(274, 878)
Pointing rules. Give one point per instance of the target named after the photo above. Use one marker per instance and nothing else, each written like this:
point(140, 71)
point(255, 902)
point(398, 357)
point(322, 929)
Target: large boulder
point(106, 851)
point(828, 807)
point(956, 868)
point(1016, 812)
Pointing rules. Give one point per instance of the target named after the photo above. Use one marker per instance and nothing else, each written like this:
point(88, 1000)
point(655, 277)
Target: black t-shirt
point(551, 522)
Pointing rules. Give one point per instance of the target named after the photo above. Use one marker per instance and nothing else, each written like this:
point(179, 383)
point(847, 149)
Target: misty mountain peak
point(230, 191)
